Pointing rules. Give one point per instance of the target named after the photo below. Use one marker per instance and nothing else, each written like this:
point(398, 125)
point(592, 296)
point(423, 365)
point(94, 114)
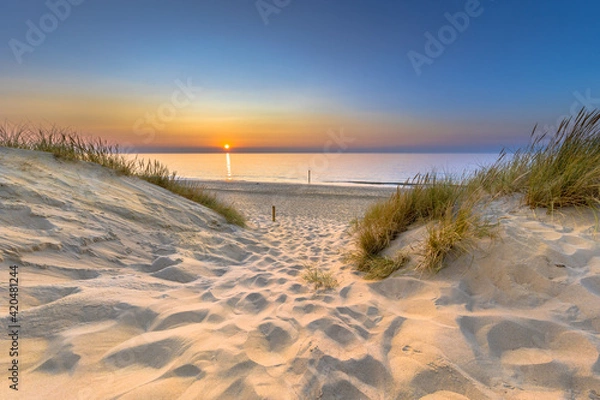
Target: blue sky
point(106, 68)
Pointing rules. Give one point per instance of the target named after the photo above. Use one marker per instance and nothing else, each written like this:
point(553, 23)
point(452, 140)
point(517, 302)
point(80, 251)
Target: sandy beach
point(126, 291)
point(327, 202)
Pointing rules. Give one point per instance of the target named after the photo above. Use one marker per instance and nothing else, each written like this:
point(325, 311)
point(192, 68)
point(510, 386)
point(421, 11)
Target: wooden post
point(309, 176)
point(273, 213)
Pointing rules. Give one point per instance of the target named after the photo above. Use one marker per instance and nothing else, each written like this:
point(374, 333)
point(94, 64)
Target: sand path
point(129, 292)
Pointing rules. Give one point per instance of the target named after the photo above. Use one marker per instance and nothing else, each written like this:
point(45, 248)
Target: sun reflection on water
point(228, 161)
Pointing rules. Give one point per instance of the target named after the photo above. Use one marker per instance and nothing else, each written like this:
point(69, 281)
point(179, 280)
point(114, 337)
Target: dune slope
point(129, 292)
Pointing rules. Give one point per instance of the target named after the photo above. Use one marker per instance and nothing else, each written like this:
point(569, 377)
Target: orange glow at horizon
point(109, 111)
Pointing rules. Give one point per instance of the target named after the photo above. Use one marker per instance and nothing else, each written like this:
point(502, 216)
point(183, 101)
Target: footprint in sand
point(342, 389)
point(573, 245)
point(177, 318)
point(185, 371)
point(307, 308)
point(160, 263)
point(444, 381)
point(444, 395)
point(398, 288)
point(358, 313)
point(64, 361)
point(252, 303)
point(146, 351)
point(259, 280)
point(272, 343)
point(175, 274)
point(22, 217)
point(208, 297)
point(592, 284)
point(334, 331)
point(49, 294)
point(75, 273)
point(365, 369)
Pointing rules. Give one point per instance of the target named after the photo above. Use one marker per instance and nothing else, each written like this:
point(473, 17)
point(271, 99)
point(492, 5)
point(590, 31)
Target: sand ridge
point(129, 292)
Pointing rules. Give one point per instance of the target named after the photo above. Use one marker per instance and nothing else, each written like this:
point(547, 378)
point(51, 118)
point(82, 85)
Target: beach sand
point(127, 291)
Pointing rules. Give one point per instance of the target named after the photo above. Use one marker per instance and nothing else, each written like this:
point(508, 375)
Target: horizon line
point(270, 150)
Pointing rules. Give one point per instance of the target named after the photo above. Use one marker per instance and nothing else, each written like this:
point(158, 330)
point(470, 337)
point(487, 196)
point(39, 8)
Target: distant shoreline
point(365, 186)
point(298, 188)
point(329, 202)
point(219, 150)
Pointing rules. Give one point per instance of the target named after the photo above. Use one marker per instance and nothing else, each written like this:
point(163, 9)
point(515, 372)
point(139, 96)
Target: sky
point(299, 75)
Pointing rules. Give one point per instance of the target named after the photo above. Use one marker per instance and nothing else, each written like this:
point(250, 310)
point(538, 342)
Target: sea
point(348, 169)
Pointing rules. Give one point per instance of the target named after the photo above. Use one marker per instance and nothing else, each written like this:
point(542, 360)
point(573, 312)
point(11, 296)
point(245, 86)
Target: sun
point(226, 147)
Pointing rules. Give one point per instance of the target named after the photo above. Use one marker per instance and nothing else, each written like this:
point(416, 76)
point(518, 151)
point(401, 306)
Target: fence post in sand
point(273, 213)
point(309, 176)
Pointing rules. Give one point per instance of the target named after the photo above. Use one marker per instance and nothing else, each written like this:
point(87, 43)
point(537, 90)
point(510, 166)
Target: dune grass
point(559, 169)
point(377, 267)
point(427, 198)
point(555, 170)
point(69, 146)
point(454, 233)
point(319, 278)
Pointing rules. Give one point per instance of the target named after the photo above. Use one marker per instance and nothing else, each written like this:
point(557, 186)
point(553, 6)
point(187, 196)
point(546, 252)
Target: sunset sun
point(226, 147)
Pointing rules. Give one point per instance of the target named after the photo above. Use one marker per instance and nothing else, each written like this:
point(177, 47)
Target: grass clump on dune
point(376, 267)
point(427, 198)
point(454, 233)
point(555, 170)
point(67, 145)
point(565, 170)
point(318, 278)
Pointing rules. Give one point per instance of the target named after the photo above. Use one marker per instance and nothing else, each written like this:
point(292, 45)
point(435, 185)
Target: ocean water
point(325, 168)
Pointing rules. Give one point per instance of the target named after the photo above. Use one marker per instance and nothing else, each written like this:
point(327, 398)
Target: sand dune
point(129, 292)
